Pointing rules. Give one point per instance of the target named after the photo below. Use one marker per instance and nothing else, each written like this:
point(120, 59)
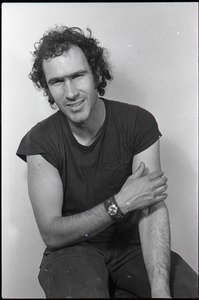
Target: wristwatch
point(113, 209)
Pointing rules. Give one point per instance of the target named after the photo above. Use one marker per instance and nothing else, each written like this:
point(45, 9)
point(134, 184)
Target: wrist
point(124, 206)
point(113, 209)
point(160, 295)
point(160, 291)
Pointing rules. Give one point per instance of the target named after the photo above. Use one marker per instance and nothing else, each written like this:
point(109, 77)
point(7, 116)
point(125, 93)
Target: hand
point(139, 192)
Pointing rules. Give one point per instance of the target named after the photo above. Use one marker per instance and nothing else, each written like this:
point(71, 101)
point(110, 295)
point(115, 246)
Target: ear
point(97, 79)
point(98, 75)
point(50, 99)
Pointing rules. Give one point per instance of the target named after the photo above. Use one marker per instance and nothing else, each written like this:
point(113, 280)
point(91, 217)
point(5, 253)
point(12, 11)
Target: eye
point(57, 81)
point(77, 76)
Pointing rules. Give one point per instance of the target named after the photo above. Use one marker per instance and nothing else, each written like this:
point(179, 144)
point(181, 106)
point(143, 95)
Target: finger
point(159, 182)
point(154, 175)
point(150, 201)
point(153, 199)
point(158, 199)
point(160, 190)
point(160, 178)
point(161, 197)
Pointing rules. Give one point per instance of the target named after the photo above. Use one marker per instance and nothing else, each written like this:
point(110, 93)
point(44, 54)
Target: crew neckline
point(101, 129)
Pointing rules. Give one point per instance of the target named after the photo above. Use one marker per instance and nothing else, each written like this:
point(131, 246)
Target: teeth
point(75, 104)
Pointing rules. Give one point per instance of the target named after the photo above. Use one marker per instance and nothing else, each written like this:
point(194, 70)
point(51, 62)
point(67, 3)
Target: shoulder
point(46, 126)
point(129, 112)
point(42, 139)
point(119, 106)
point(49, 121)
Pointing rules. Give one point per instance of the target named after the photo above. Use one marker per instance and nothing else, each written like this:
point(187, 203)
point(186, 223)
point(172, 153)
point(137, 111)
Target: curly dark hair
point(58, 40)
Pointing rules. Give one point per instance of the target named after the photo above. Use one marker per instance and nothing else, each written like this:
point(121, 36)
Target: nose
point(71, 91)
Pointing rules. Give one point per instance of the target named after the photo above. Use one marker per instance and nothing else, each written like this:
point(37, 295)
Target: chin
point(79, 119)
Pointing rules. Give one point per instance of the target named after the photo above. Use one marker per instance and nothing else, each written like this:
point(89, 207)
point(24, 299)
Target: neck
point(86, 132)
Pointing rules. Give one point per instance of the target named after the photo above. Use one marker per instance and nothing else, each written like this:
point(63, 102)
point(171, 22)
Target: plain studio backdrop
point(153, 52)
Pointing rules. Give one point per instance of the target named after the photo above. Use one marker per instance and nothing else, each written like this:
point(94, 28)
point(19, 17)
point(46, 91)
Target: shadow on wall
point(181, 189)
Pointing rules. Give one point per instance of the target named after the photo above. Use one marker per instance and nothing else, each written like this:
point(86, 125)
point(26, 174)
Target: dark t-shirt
point(91, 174)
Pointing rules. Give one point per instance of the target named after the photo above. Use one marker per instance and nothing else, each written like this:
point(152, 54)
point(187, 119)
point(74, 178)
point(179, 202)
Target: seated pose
point(95, 182)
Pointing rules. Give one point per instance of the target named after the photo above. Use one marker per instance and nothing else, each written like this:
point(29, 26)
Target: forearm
point(65, 231)
point(155, 240)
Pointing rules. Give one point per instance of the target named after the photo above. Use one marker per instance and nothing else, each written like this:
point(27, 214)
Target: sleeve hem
point(24, 158)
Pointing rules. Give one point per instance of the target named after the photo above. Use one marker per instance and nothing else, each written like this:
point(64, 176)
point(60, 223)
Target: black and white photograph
point(99, 150)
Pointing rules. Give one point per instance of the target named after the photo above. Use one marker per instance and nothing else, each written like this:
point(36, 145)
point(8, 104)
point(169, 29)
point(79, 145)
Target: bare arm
point(46, 195)
point(155, 232)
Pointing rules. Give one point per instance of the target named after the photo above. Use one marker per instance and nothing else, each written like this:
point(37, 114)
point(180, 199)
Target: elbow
point(50, 237)
point(50, 240)
point(51, 243)
point(55, 242)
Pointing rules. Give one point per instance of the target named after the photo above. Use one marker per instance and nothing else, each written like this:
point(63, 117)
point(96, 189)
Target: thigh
point(74, 272)
point(184, 280)
point(132, 277)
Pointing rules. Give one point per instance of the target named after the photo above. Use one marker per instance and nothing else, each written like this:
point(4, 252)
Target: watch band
point(113, 209)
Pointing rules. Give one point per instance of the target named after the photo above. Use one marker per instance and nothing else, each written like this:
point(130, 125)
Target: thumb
point(139, 171)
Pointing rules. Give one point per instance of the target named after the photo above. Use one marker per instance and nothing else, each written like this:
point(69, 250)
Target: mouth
point(75, 104)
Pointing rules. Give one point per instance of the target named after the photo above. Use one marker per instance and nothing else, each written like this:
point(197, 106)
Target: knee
point(70, 286)
point(184, 280)
point(177, 262)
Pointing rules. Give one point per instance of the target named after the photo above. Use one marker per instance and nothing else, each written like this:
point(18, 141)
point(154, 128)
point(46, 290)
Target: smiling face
point(71, 84)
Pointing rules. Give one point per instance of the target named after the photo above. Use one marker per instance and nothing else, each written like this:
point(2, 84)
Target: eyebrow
point(51, 80)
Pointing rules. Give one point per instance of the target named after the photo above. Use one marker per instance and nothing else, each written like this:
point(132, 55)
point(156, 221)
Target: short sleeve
point(146, 131)
point(38, 141)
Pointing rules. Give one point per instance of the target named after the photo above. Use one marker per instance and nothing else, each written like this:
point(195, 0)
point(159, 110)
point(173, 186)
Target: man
point(95, 180)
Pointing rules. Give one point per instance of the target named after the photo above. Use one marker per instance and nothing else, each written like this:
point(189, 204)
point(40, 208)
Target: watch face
point(112, 210)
